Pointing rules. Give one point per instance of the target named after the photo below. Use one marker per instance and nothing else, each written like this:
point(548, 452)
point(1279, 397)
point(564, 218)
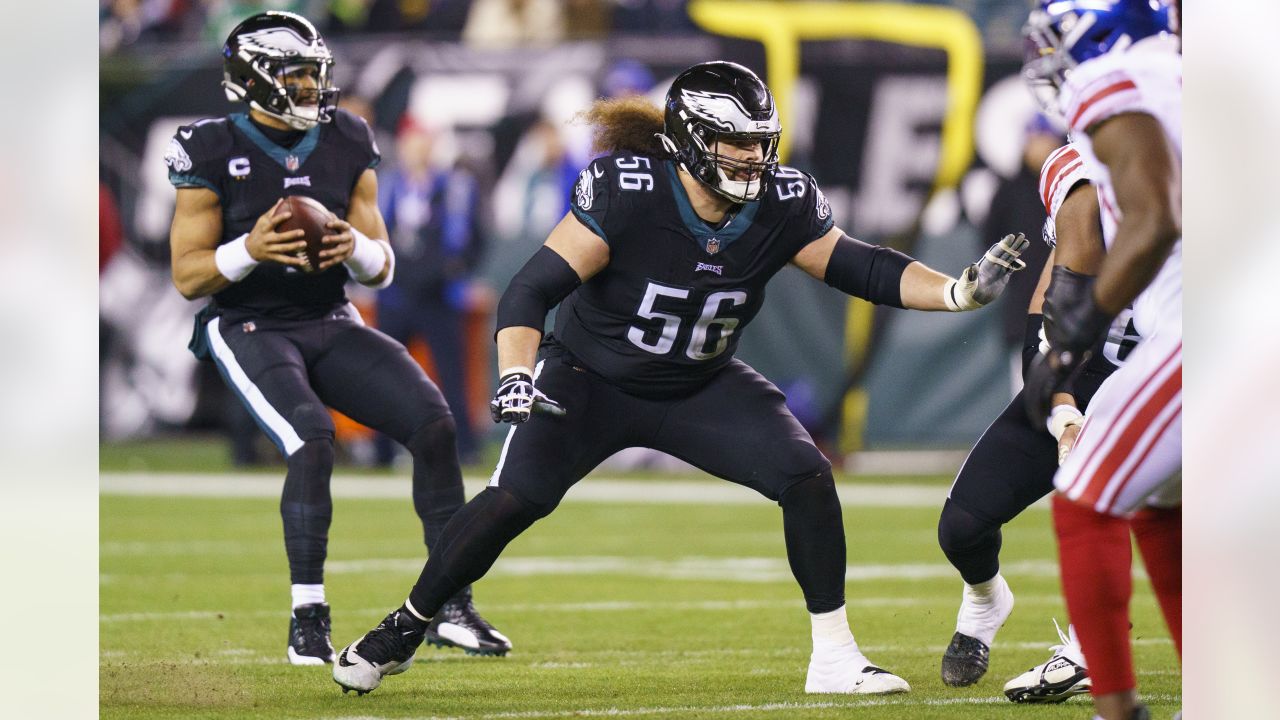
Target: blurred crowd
point(487, 23)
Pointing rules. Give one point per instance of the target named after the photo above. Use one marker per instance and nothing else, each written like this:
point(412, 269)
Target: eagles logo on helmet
point(258, 55)
point(717, 102)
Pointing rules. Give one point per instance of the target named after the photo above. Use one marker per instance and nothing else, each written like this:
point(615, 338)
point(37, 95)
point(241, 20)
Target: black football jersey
point(667, 311)
point(234, 158)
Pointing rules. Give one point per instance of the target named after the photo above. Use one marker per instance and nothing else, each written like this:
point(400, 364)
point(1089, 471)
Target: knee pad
point(434, 438)
point(959, 530)
point(817, 490)
point(312, 422)
point(310, 467)
point(797, 458)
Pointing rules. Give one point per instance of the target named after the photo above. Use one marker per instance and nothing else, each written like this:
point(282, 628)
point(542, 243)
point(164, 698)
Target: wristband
point(368, 258)
point(949, 296)
point(233, 259)
point(517, 369)
point(1061, 418)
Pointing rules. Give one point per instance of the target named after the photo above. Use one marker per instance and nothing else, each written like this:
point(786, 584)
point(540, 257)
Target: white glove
point(516, 398)
point(983, 281)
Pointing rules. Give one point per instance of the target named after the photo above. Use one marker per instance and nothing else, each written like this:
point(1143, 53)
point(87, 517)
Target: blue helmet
point(1061, 34)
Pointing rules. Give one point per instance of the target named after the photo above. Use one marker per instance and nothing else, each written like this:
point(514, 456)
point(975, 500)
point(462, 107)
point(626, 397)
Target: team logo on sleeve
point(176, 157)
point(824, 207)
point(585, 190)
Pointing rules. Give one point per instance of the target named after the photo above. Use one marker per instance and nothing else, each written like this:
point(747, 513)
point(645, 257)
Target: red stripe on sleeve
point(1055, 165)
point(1102, 94)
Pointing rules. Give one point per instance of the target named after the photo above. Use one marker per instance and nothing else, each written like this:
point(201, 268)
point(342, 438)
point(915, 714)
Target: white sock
point(831, 632)
point(306, 594)
point(414, 611)
point(985, 590)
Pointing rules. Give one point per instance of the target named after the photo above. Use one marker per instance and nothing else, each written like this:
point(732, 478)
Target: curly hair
point(629, 124)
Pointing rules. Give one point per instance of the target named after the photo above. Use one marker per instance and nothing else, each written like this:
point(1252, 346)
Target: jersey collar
point(300, 152)
point(701, 231)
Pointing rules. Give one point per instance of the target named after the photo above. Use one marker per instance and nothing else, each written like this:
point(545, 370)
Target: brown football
point(309, 216)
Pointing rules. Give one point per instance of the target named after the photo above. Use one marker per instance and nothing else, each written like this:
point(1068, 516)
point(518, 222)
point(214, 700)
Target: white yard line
point(598, 489)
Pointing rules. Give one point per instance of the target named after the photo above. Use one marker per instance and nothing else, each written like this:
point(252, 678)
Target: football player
point(1013, 463)
point(282, 333)
point(1113, 70)
point(660, 265)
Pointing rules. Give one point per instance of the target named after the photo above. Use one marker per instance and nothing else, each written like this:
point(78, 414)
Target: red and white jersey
point(1064, 169)
point(1145, 78)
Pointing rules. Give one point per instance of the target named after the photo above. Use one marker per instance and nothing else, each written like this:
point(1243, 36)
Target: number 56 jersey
point(667, 311)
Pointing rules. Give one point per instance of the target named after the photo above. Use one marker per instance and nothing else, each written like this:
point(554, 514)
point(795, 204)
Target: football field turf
point(625, 603)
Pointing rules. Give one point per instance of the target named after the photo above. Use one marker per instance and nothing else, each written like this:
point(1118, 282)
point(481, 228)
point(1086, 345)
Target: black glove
point(1072, 324)
point(516, 398)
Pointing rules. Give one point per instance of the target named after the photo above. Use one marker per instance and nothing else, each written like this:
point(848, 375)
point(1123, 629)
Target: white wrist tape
point(516, 369)
point(949, 292)
point(233, 259)
point(1061, 418)
point(369, 257)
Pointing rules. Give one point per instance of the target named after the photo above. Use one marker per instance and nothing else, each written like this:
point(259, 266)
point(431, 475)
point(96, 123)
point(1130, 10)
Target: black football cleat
point(388, 649)
point(309, 629)
point(458, 624)
point(965, 661)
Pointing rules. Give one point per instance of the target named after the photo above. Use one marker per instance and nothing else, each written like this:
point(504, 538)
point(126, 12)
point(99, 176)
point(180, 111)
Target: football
point(309, 216)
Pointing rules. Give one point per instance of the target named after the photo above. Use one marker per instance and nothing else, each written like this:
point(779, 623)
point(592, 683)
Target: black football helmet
point(714, 102)
point(262, 50)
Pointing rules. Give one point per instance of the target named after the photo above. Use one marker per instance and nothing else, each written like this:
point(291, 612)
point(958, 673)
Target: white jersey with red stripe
point(1145, 78)
point(1064, 169)
point(1130, 448)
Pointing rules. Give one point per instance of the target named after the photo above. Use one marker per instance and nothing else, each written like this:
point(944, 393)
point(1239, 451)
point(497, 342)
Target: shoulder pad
point(1099, 89)
point(1062, 170)
point(354, 128)
point(194, 144)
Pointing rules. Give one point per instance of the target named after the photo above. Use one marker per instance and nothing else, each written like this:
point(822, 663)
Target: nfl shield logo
point(713, 246)
point(291, 162)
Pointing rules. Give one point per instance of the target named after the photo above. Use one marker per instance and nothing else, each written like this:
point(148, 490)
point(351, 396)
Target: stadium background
point(908, 114)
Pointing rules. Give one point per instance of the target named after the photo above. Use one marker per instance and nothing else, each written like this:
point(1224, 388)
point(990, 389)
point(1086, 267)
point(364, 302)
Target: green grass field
point(627, 609)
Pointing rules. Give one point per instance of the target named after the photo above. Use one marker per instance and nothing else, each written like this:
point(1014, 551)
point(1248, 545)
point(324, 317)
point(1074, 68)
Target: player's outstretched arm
point(887, 277)
point(200, 266)
point(571, 255)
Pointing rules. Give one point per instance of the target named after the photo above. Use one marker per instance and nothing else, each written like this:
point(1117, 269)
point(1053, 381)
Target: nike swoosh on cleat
point(342, 660)
point(186, 134)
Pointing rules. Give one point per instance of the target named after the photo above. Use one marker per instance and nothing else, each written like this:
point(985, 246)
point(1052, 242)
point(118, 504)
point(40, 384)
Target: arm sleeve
point(871, 272)
point(538, 286)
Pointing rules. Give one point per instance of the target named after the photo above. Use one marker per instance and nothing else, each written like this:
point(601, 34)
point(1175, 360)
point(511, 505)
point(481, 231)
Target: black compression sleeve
point(539, 286)
point(1031, 340)
point(871, 272)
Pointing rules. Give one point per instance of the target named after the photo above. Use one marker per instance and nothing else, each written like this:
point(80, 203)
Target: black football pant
point(1011, 466)
point(736, 427)
point(288, 373)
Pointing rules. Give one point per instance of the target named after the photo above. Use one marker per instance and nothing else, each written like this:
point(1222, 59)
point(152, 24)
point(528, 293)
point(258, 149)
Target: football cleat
point(1060, 677)
point(458, 624)
point(850, 674)
point(965, 660)
point(309, 635)
point(388, 649)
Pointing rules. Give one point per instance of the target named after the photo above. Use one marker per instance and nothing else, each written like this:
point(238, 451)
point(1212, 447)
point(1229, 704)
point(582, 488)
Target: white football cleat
point(388, 649)
point(850, 674)
point(1062, 676)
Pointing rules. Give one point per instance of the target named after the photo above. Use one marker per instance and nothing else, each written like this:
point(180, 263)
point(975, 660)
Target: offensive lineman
point(282, 334)
point(662, 260)
point(1113, 69)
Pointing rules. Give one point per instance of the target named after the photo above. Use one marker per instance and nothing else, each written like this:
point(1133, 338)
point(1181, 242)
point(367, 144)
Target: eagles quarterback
point(659, 266)
point(282, 334)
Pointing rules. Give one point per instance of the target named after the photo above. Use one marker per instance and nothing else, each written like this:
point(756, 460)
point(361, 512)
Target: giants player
point(1113, 69)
